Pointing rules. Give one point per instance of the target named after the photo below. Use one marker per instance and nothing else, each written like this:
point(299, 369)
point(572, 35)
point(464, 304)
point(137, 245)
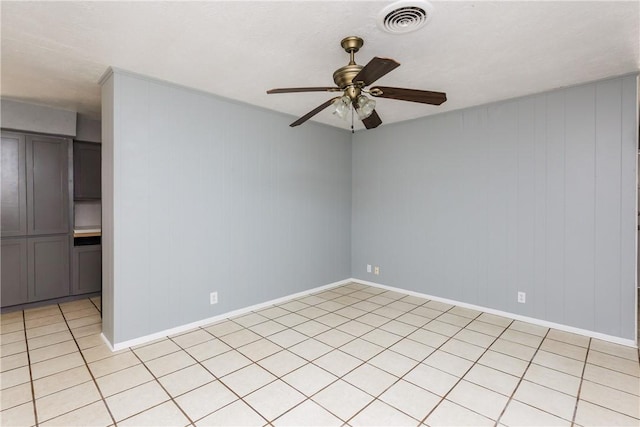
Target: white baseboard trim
point(183, 328)
point(547, 324)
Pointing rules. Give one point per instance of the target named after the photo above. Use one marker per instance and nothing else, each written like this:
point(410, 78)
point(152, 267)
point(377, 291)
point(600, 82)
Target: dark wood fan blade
point(375, 69)
point(373, 121)
point(312, 113)
point(413, 95)
point(304, 89)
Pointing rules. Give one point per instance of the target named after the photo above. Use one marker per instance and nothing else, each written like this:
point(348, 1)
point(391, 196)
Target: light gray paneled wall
point(536, 194)
point(37, 118)
point(203, 195)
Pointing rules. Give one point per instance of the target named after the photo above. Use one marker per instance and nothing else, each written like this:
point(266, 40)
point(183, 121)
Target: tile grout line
point(584, 368)
point(88, 369)
point(33, 392)
point(522, 379)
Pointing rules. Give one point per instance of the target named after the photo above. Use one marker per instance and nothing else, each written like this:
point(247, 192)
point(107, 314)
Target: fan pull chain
point(352, 131)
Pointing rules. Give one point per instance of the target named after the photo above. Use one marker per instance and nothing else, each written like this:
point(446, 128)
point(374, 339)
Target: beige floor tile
point(492, 379)
point(14, 377)
point(282, 363)
point(559, 363)
point(546, 399)
point(223, 328)
point(564, 349)
point(342, 399)
point(463, 349)
point(94, 414)
point(51, 351)
point(123, 380)
point(478, 399)
point(34, 313)
point(465, 312)
point(363, 350)
point(620, 364)
point(50, 339)
point(308, 413)
point(287, 338)
point(247, 379)
point(399, 328)
point(250, 319)
point(448, 363)
point(165, 414)
point(504, 363)
point(13, 348)
point(113, 364)
point(60, 381)
point(568, 338)
point(351, 312)
point(273, 312)
point(155, 350)
point(393, 362)
point(293, 305)
point(485, 328)
point(311, 328)
point(426, 312)
point(451, 414)
point(84, 321)
point(442, 328)
point(522, 338)
point(381, 338)
point(88, 330)
point(331, 305)
point(589, 414)
point(240, 338)
point(66, 400)
point(11, 317)
point(268, 328)
point(529, 328)
point(374, 320)
point(412, 349)
point(553, 379)
point(310, 349)
point(495, 320)
point(337, 362)
point(47, 329)
point(274, 399)
point(514, 349)
point(355, 328)
point(291, 319)
point(184, 380)
point(14, 396)
point(236, 414)
point(133, 401)
point(208, 349)
point(13, 361)
point(170, 363)
point(615, 349)
point(44, 321)
point(85, 312)
point(260, 349)
point(99, 352)
point(431, 379)
point(476, 338)
point(440, 306)
point(370, 379)
point(192, 338)
point(455, 320)
point(380, 414)
point(413, 319)
point(411, 299)
point(387, 311)
point(18, 416)
point(72, 306)
point(429, 338)
point(332, 320)
point(410, 399)
point(12, 337)
point(613, 379)
point(335, 338)
point(226, 363)
point(205, 400)
point(616, 400)
point(519, 414)
point(309, 379)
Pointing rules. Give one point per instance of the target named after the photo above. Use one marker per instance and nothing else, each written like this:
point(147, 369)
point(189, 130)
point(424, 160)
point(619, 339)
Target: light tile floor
point(353, 355)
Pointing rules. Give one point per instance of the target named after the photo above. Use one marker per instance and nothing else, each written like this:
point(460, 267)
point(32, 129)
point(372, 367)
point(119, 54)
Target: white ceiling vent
point(405, 16)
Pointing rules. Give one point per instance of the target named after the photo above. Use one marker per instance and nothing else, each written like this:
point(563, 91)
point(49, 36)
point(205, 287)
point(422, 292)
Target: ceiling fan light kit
point(353, 79)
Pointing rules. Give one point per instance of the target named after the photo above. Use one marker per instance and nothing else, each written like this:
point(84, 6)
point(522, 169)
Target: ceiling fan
point(352, 80)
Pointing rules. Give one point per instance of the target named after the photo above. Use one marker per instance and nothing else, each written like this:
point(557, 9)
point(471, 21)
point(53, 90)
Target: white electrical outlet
point(368, 268)
point(376, 270)
point(522, 297)
point(213, 298)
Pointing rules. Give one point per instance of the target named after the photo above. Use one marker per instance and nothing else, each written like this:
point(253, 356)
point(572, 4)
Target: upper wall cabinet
point(86, 171)
point(35, 185)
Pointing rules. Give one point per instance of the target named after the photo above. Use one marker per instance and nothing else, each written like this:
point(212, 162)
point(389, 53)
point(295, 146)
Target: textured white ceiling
point(53, 53)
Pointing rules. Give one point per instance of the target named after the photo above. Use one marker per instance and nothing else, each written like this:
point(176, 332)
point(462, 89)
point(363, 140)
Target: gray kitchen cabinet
point(86, 171)
point(13, 273)
point(47, 185)
point(13, 185)
point(48, 267)
point(87, 269)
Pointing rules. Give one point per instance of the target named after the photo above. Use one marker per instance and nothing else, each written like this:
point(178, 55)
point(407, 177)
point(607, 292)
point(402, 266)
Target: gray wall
point(88, 129)
point(201, 194)
point(36, 118)
point(536, 194)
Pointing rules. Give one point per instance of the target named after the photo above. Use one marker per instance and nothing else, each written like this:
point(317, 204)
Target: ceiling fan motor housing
point(343, 76)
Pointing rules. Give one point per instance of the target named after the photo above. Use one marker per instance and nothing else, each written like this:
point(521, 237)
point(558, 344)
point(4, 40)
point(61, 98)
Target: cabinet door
point(48, 268)
point(86, 171)
point(14, 272)
point(87, 269)
point(47, 185)
point(13, 185)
